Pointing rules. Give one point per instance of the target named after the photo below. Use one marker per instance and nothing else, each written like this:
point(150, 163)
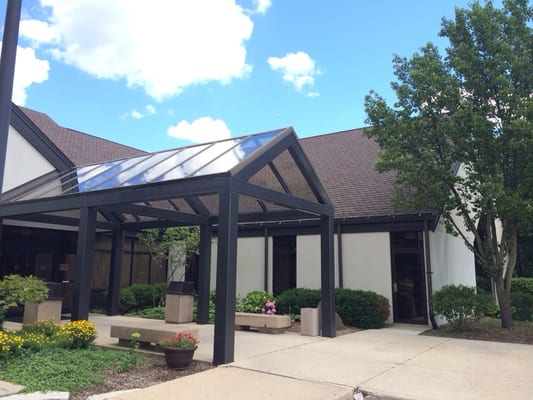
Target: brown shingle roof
point(344, 162)
point(80, 148)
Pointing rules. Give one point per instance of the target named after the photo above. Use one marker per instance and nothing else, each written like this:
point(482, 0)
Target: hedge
point(359, 308)
point(293, 300)
point(140, 296)
point(522, 298)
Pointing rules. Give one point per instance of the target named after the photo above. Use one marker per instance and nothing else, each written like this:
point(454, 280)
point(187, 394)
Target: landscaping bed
point(489, 329)
point(151, 371)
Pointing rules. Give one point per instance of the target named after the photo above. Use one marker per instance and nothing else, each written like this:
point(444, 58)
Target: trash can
point(310, 321)
point(179, 300)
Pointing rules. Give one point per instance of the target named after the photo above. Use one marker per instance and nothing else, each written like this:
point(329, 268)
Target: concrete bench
point(149, 336)
point(262, 322)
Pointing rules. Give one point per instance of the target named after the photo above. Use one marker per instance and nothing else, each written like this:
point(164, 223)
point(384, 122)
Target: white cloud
point(28, 70)
point(160, 46)
point(262, 6)
point(298, 69)
point(203, 129)
point(149, 109)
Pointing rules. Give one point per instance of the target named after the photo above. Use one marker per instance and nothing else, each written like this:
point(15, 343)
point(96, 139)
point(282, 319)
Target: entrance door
point(408, 282)
point(284, 263)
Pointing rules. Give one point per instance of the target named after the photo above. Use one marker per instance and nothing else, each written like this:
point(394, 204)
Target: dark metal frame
point(136, 201)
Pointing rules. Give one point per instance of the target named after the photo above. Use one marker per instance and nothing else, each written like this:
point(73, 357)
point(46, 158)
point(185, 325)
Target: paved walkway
point(393, 363)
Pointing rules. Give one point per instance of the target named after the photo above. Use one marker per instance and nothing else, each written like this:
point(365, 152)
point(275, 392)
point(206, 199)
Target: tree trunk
point(504, 300)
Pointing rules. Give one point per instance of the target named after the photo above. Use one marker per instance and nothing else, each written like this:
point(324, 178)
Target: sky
point(161, 74)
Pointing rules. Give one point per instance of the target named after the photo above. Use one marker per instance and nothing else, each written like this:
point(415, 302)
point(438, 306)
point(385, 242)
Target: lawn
point(62, 369)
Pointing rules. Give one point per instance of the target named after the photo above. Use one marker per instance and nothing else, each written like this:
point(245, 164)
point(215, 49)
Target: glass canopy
point(186, 162)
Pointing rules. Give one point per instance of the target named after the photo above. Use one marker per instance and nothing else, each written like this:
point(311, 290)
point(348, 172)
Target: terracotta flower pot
point(178, 358)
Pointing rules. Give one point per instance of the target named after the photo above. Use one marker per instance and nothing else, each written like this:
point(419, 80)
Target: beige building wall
point(367, 263)
point(308, 262)
point(250, 265)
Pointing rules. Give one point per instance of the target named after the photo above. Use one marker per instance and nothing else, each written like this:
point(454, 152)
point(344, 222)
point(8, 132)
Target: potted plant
point(179, 350)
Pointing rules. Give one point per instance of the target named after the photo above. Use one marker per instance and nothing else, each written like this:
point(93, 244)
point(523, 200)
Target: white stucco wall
point(452, 262)
point(250, 265)
point(23, 162)
point(367, 263)
point(308, 262)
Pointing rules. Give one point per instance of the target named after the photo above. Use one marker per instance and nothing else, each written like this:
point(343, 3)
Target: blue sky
point(168, 73)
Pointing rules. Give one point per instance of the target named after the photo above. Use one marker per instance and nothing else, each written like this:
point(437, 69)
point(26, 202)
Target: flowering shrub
point(255, 301)
point(77, 334)
point(10, 343)
point(269, 307)
point(46, 328)
point(182, 340)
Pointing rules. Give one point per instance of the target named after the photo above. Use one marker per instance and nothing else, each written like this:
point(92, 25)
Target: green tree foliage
point(173, 245)
point(472, 108)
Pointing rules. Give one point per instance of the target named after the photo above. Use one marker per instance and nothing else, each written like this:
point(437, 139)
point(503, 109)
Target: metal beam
point(283, 199)
point(81, 292)
point(7, 72)
point(146, 211)
point(117, 251)
point(327, 277)
point(224, 343)
point(213, 184)
point(204, 274)
point(59, 220)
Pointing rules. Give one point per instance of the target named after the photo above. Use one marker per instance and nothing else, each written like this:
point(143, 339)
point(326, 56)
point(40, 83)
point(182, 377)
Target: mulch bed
point(489, 329)
point(150, 373)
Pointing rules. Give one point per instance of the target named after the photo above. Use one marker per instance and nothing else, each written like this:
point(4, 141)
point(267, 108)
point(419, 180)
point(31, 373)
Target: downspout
point(339, 255)
point(265, 260)
point(429, 275)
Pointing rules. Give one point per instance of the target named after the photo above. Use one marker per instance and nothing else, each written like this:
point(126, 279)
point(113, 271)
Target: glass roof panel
point(232, 157)
point(197, 160)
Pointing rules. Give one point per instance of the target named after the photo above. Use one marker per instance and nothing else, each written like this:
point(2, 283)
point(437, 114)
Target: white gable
point(23, 162)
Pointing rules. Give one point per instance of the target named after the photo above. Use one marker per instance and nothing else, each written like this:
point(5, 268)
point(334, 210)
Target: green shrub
point(212, 299)
point(140, 296)
point(522, 306)
point(384, 306)
point(254, 301)
point(15, 290)
point(523, 285)
point(359, 308)
point(153, 312)
point(47, 328)
point(293, 300)
point(522, 298)
point(460, 305)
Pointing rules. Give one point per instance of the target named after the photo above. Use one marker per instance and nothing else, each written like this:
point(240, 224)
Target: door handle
point(395, 287)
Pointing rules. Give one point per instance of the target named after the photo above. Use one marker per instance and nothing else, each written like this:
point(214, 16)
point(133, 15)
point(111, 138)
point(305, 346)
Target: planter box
point(48, 310)
point(262, 323)
point(178, 308)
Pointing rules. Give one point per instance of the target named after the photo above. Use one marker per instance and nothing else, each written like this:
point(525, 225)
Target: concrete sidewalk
point(392, 363)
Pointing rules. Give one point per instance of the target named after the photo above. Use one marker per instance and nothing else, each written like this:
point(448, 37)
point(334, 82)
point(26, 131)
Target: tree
point(172, 245)
point(472, 108)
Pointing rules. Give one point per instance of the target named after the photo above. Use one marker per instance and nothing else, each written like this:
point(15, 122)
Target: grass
point(63, 369)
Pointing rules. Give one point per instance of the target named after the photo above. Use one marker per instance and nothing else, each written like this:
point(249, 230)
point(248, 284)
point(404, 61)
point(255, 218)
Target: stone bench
point(149, 336)
point(262, 322)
